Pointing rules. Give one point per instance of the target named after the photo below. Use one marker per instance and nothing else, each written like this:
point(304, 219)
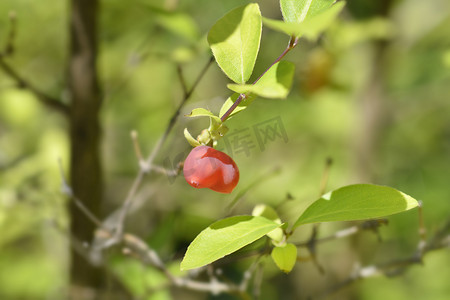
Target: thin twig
point(422, 230)
point(149, 257)
point(257, 281)
point(67, 190)
point(181, 79)
point(441, 239)
point(41, 96)
point(149, 161)
point(312, 242)
point(137, 248)
point(20, 82)
point(367, 225)
point(291, 45)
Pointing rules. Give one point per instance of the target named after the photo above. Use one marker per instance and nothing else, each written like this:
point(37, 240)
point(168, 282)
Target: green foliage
point(139, 53)
point(275, 83)
point(285, 257)
point(268, 212)
point(193, 142)
point(234, 41)
point(201, 112)
point(224, 237)
point(138, 279)
point(357, 202)
point(215, 131)
point(296, 11)
point(309, 25)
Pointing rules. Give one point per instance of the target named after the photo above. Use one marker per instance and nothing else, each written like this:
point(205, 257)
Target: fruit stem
point(292, 43)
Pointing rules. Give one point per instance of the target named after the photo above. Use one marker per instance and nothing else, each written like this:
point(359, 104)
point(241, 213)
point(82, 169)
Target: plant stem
point(292, 43)
point(149, 161)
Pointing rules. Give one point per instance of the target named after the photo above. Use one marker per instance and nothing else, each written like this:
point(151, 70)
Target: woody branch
point(21, 82)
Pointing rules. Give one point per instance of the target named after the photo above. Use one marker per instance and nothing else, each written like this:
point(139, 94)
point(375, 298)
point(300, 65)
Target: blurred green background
point(373, 94)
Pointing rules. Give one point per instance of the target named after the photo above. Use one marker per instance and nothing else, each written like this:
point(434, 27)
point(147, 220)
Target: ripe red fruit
point(206, 167)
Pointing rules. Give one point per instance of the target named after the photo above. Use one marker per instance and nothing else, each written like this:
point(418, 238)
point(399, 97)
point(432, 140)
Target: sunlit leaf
point(357, 202)
point(234, 41)
point(201, 112)
point(310, 27)
point(295, 11)
point(193, 142)
point(276, 82)
point(285, 257)
point(224, 237)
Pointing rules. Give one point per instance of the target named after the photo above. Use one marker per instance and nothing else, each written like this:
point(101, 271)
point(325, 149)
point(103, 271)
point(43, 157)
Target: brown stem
point(292, 43)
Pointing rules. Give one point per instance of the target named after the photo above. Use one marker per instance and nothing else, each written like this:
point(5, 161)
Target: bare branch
point(181, 79)
point(45, 99)
point(441, 239)
point(143, 163)
point(367, 225)
point(311, 244)
point(149, 257)
point(149, 161)
point(67, 190)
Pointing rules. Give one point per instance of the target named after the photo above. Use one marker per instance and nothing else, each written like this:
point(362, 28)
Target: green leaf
point(215, 131)
point(180, 24)
point(263, 210)
point(224, 237)
point(193, 142)
point(295, 11)
point(285, 257)
point(201, 112)
point(230, 101)
point(311, 27)
point(234, 41)
point(275, 83)
point(357, 202)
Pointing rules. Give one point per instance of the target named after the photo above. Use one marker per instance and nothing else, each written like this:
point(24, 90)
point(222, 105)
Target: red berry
point(206, 167)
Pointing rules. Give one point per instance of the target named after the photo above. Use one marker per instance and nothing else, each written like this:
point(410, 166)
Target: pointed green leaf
point(311, 27)
point(285, 257)
point(275, 83)
point(201, 112)
point(234, 41)
point(357, 202)
point(230, 101)
point(295, 11)
point(193, 142)
point(224, 237)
